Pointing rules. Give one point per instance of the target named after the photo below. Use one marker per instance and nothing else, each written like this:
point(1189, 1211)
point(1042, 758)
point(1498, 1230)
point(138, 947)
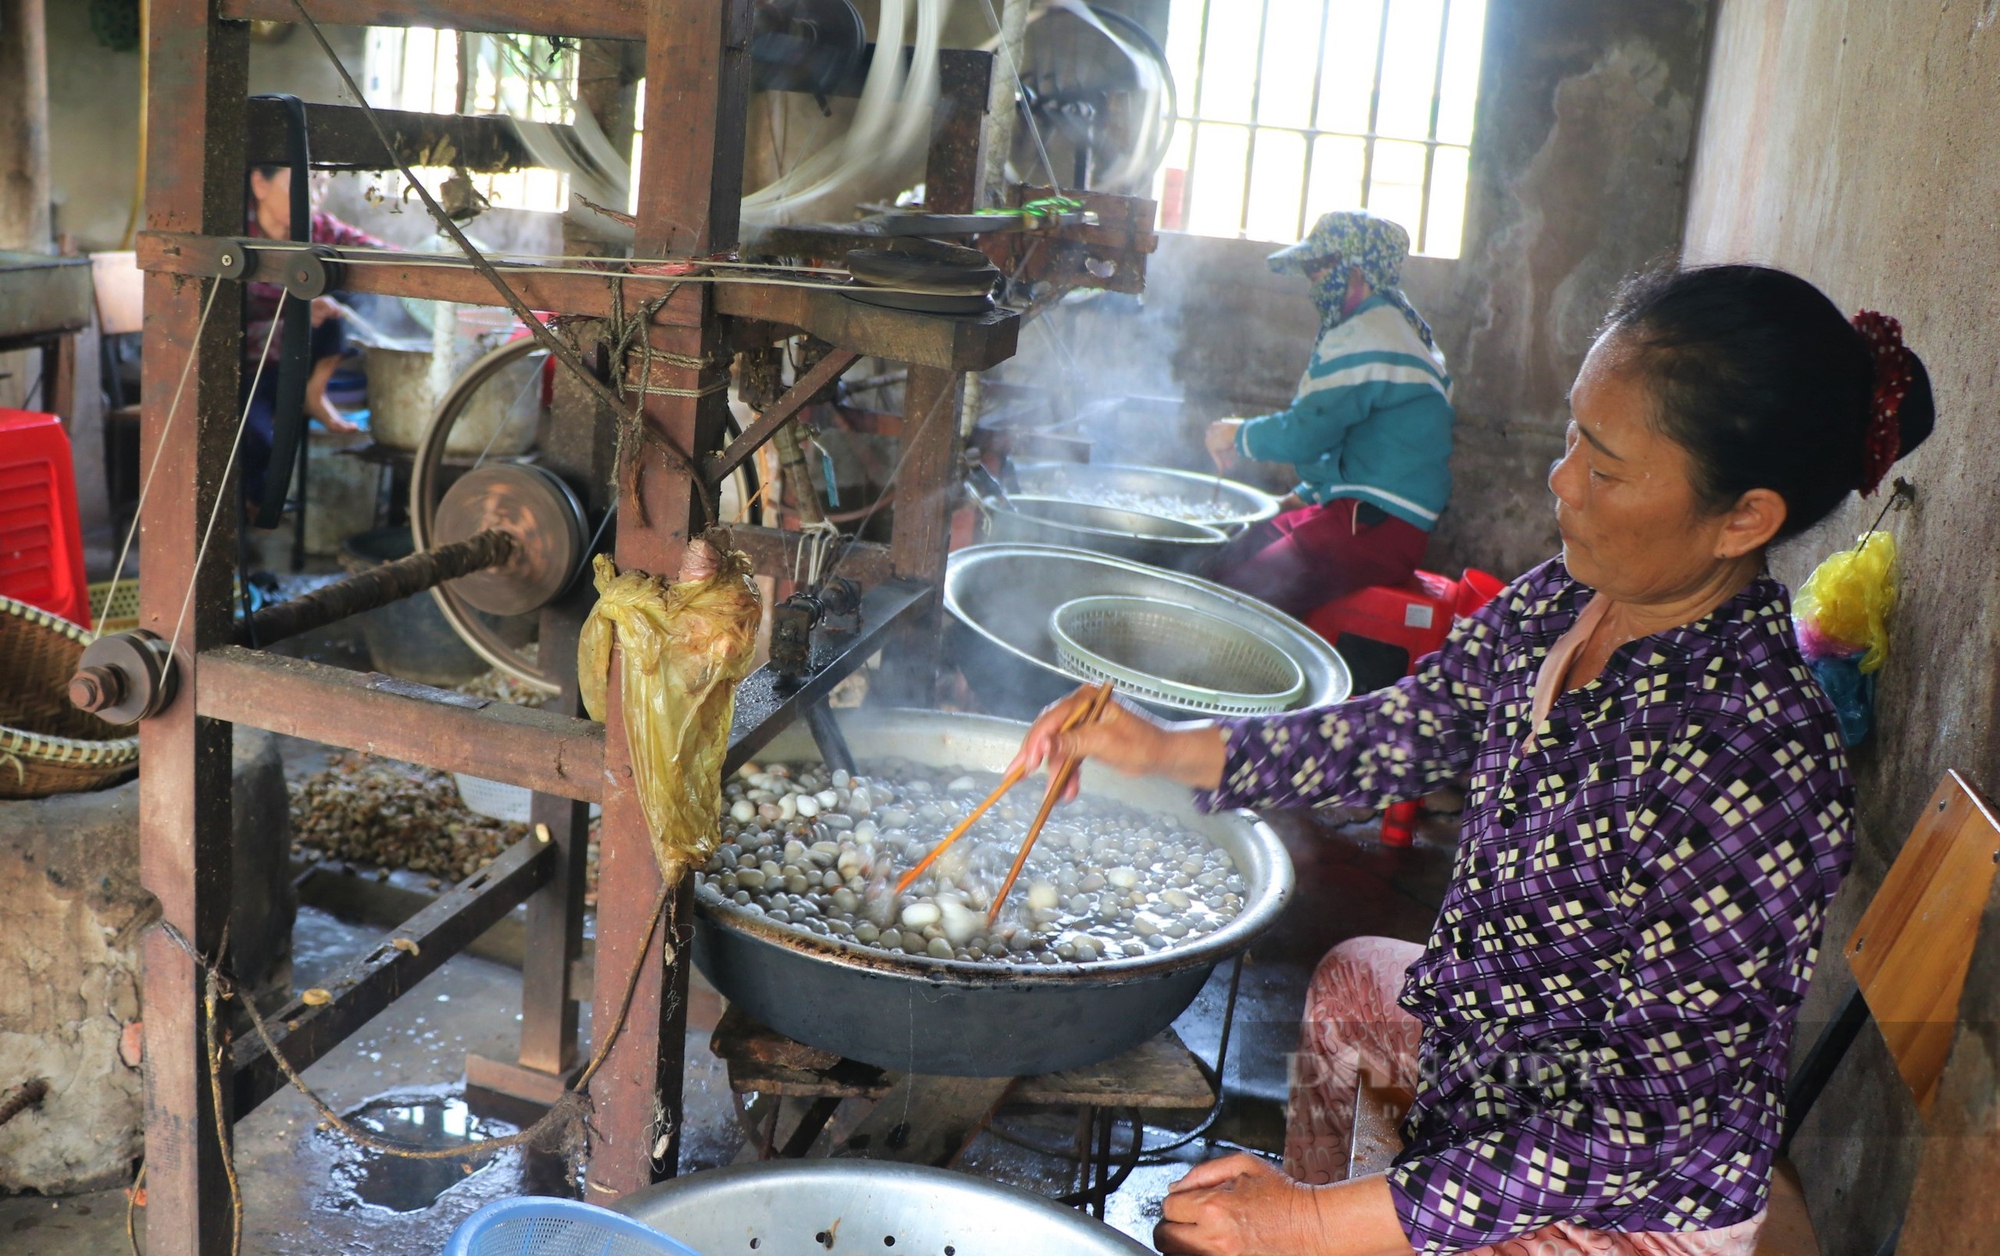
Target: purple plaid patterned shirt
point(1609, 993)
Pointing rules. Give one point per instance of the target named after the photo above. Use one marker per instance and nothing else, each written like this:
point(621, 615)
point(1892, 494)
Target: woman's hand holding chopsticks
point(1098, 697)
point(1133, 741)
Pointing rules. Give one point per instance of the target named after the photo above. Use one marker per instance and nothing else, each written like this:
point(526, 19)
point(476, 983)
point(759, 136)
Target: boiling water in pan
point(1187, 507)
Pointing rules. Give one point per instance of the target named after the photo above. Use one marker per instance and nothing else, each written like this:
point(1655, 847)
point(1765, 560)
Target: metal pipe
point(391, 582)
point(827, 736)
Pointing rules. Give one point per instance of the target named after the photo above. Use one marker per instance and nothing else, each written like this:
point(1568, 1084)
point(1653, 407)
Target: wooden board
point(341, 138)
point(926, 1120)
point(1912, 948)
point(1158, 1073)
point(541, 750)
point(194, 183)
point(583, 19)
point(948, 342)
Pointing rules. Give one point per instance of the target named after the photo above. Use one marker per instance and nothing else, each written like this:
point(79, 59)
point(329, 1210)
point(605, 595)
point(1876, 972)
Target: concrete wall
point(94, 114)
point(1849, 140)
point(1585, 126)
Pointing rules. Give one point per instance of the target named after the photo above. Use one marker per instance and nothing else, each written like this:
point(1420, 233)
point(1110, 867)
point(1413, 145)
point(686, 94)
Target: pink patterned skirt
point(1353, 1026)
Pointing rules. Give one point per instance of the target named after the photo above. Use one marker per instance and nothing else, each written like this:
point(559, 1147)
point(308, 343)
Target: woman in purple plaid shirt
point(1658, 810)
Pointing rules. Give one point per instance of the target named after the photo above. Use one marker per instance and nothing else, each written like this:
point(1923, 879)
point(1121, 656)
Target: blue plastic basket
point(539, 1226)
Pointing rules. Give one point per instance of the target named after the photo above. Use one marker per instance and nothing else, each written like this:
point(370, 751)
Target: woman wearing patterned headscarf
point(1369, 432)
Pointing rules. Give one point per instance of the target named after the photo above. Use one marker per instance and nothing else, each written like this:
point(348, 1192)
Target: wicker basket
point(48, 746)
point(120, 611)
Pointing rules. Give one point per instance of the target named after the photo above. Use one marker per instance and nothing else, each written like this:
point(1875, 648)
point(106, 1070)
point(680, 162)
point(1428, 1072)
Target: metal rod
point(391, 582)
point(766, 701)
point(811, 1123)
point(1312, 116)
point(827, 736)
point(1430, 150)
point(1374, 109)
point(400, 719)
point(1817, 1069)
point(1105, 1185)
point(1194, 115)
point(1256, 106)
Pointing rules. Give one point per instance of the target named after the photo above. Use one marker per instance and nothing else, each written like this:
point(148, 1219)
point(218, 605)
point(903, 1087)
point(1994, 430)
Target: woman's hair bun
point(1767, 384)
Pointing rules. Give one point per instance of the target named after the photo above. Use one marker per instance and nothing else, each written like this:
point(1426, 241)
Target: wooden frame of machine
point(204, 133)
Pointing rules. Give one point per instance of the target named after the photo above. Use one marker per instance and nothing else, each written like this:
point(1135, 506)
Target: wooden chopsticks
point(1059, 780)
point(1088, 710)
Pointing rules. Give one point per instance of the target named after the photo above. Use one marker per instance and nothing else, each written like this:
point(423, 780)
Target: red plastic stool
point(41, 541)
point(1384, 630)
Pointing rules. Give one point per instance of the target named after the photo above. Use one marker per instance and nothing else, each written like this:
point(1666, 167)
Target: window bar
point(440, 45)
point(1312, 118)
point(1256, 103)
point(1374, 109)
point(1194, 116)
point(1430, 149)
point(399, 62)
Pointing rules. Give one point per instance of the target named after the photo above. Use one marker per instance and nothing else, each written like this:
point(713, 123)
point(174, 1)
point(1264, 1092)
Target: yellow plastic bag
point(685, 645)
point(1844, 605)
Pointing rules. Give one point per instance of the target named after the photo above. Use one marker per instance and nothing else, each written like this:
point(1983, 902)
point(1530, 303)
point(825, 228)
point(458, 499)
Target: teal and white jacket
point(1372, 419)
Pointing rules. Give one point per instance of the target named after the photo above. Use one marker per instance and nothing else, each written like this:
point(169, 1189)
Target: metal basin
point(783, 1207)
point(1001, 596)
point(963, 1019)
point(499, 421)
point(1151, 539)
point(1222, 503)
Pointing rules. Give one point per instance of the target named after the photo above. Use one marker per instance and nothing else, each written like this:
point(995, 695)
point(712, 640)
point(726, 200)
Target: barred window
point(1291, 108)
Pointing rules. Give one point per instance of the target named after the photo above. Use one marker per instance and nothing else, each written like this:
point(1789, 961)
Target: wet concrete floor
point(306, 1191)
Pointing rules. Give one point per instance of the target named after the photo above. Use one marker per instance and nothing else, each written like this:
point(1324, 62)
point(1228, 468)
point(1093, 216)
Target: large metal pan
point(1154, 540)
point(961, 1019)
point(812, 1207)
point(1217, 501)
point(1001, 596)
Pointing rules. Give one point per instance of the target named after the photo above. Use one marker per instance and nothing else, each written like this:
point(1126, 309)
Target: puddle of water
point(429, 1121)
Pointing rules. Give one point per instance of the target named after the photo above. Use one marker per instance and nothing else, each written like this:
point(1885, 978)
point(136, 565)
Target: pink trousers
point(1353, 1026)
point(1305, 558)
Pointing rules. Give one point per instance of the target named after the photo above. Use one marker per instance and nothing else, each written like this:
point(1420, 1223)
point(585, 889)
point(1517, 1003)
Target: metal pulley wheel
point(125, 677)
point(805, 45)
point(529, 502)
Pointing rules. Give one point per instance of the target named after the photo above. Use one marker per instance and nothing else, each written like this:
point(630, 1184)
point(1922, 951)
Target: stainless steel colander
point(1162, 651)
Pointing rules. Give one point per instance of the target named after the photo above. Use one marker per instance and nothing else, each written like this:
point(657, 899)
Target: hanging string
point(145, 486)
point(222, 488)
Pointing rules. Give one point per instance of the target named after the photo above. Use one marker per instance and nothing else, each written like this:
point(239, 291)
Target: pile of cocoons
point(820, 851)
